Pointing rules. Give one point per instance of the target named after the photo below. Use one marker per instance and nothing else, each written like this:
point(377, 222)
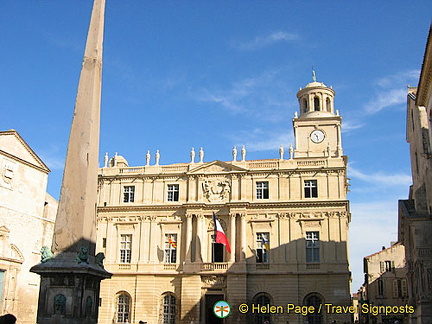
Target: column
point(188, 237)
point(152, 239)
point(243, 238)
point(199, 241)
point(232, 237)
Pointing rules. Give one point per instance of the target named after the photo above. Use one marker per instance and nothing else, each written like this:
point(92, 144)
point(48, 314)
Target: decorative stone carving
point(211, 281)
point(8, 174)
point(46, 254)
point(281, 152)
point(148, 158)
point(216, 190)
point(157, 157)
point(243, 153)
point(83, 254)
point(99, 259)
point(234, 154)
point(192, 155)
point(60, 304)
point(201, 155)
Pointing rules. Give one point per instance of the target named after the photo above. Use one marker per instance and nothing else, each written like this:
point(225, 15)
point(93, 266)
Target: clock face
point(317, 136)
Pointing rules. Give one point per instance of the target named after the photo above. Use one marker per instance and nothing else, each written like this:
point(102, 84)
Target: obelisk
point(70, 272)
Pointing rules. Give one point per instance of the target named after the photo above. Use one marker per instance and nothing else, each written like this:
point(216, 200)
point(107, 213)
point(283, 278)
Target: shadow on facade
point(276, 277)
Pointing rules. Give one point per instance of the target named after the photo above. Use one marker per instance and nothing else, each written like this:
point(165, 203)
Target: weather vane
point(313, 75)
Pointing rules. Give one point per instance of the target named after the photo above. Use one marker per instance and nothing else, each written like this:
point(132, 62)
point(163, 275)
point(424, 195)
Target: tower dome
point(316, 100)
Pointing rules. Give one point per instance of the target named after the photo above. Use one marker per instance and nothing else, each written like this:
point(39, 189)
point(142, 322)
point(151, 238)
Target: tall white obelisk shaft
point(76, 217)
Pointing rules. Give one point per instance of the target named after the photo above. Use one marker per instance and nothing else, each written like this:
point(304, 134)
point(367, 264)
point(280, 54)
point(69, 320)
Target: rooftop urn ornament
point(201, 155)
point(234, 153)
point(243, 153)
point(106, 160)
point(192, 155)
point(148, 158)
point(281, 152)
point(157, 157)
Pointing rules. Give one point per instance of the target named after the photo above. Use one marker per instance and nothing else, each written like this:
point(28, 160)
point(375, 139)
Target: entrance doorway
point(210, 317)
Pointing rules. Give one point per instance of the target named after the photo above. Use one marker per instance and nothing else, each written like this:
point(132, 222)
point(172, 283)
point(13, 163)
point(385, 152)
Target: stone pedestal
point(69, 290)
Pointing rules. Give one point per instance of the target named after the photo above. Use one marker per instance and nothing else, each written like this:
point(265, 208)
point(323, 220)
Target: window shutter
point(392, 266)
point(382, 266)
point(395, 288)
point(404, 288)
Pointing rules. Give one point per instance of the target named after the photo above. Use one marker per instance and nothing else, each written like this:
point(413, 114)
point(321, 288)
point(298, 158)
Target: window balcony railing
point(170, 266)
point(312, 266)
point(262, 266)
point(124, 266)
point(214, 266)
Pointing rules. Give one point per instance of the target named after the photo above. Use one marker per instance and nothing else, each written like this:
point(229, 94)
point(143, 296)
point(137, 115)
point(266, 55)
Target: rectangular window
point(217, 250)
point(262, 247)
point(310, 189)
point(125, 248)
point(380, 287)
point(170, 248)
point(312, 247)
point(173, 192)
point(386, 266)
point(129, 194)
point(262, 190)
point(104, 242)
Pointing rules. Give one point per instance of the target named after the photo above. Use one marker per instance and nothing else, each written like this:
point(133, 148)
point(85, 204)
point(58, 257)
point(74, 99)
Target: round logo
point(221, 309)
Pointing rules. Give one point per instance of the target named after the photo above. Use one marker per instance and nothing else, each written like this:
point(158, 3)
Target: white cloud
point(266, 40)
point(391, 90)
point(373, 225)
point(263, 96)
point(386, 98)
point(53, 162)
point(380, 179)
point(348, 126)
point(400, 78)
point(259, 140)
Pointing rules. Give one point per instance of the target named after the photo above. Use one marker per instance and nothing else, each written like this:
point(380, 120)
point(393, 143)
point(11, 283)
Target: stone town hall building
point(286, 220)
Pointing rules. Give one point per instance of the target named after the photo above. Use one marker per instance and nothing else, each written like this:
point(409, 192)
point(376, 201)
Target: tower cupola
point(316, 100)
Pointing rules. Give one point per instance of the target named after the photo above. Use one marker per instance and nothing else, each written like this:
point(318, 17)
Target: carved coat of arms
point(216, 190)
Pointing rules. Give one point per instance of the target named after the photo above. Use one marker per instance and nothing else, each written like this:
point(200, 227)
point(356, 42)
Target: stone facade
point(415, 213)
point(27, 215)
point(286, 220)
point(385, 284)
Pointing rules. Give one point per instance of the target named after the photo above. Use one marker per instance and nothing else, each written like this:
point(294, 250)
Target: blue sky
point(214, 74)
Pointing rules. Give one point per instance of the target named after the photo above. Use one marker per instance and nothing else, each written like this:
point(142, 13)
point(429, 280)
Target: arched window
point(316, 301)
point(123, 308)
point(262, 299)
point(316, 104)
point(328, 104)
point(169, 309)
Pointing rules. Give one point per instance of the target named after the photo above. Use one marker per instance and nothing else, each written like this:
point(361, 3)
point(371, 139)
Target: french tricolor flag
point(220, 234)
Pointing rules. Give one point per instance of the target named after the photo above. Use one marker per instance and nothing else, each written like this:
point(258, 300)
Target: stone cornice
point(324, 204)
point(425, 82)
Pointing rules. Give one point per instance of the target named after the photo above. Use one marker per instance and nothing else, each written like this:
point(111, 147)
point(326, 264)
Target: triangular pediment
point(13, 146)
point(216, 167)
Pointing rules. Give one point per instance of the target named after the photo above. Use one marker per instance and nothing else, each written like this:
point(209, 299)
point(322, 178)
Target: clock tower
point(317, 130)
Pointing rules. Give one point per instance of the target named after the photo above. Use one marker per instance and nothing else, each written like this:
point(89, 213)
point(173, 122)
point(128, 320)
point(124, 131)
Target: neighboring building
point(385, 284)
point(286, 220)
point(415, 213)
point(27, 215)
